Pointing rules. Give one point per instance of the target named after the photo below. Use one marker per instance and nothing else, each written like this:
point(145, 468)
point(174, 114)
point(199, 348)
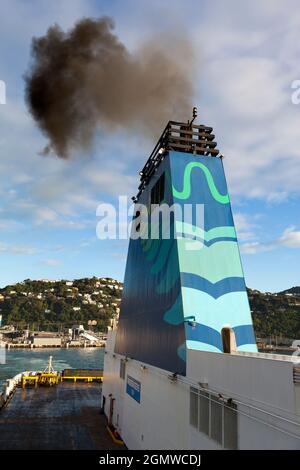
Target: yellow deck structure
point(87, 375)
point(40, 379)
point(51, 377)
point(29, 380)
point(48, 377)
point(84, 378)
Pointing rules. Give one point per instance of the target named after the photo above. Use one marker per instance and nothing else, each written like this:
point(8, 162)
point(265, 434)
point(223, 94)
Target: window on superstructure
point(122, 369)
point(158, 190)
point(138, 225)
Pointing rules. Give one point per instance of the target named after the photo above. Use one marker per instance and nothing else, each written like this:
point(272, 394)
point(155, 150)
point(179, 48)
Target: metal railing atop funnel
point(180, 137)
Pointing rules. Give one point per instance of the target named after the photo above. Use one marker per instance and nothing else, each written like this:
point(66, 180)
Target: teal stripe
point(231, 309)
point(219, 261)
point(154, 250)
point(216, 232)
point(162, 256)
point(171, 274)
point(247, 348)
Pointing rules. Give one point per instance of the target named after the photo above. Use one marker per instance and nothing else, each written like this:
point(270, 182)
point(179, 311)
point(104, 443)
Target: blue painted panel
point(151, 286)
point(133, 388)
point(164, 283)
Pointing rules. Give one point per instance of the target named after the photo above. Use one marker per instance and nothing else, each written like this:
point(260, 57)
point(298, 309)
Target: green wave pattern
point(186, 191)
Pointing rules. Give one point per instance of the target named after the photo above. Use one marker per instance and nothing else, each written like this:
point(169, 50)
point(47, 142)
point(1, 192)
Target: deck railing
point(179, 137)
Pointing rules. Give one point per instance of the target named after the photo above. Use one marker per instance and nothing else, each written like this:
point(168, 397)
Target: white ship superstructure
point(225, 401)
point(181, 367)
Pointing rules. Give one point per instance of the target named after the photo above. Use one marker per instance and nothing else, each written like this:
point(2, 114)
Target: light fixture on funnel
point(191, 321)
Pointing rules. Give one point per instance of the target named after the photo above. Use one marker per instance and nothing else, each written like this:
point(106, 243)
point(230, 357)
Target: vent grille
point(296, 375)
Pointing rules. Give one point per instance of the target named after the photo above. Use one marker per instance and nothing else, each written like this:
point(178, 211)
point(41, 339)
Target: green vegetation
point(276, 314)
point(52, 305)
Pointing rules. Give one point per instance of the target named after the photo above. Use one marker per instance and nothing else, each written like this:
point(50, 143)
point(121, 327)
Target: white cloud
point(290, 239)
point(251, 88)
point(257, 247)
point(17, 249)
point(112, 182)
point(245, 93)
point(119, 256)
point(248, 56)
point(244, 227)
point(44, 214)
point(10, 225)
point(52, 262)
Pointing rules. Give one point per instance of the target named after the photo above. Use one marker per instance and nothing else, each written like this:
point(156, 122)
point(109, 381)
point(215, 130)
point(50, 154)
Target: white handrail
point(11, 384)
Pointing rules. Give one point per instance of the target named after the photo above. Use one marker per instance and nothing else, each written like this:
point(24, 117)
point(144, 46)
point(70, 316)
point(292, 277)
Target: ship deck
point(65, 416)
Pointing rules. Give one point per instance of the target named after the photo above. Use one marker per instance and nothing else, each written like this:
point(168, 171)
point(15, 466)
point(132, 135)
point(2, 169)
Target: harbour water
point(19, 360)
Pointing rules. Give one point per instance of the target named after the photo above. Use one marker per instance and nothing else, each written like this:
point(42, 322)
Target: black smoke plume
point(85, 79)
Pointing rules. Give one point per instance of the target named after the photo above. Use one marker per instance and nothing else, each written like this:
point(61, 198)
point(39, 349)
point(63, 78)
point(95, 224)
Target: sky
point(246, 57)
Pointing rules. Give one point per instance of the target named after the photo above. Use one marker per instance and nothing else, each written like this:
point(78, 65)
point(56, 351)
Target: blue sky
point(246, 57)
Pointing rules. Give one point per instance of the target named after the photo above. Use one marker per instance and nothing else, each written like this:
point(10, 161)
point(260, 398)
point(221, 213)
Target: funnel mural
point(183, 292)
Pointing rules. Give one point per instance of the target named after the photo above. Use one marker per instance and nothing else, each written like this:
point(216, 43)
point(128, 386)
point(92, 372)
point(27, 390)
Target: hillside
point(276, 313)
point(293, 290)
point(51, 305)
